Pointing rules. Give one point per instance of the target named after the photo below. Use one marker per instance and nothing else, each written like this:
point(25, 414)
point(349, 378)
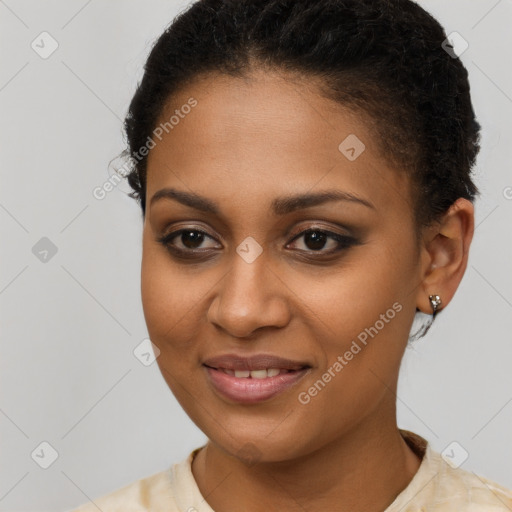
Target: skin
point(247, 142)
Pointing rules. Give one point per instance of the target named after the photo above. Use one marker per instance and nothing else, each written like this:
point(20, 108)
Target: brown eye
point(187, 241)
point(191, 239)
point(315, 240)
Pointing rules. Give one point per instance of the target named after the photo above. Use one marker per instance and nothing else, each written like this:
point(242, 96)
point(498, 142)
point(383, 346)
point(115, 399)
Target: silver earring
point(435, 302)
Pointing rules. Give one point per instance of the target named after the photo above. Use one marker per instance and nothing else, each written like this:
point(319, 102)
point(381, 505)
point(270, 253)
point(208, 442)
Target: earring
point(435, 302)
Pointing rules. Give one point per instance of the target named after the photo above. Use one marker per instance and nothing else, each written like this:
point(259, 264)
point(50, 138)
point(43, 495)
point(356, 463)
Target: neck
point(365, 469)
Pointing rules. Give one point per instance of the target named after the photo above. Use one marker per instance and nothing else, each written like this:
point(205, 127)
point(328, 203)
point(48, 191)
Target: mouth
point(253, 379)
point(254, 374)
point(254, 363)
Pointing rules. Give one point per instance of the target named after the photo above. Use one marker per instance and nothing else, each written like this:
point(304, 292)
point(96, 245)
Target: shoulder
point(440, 486)
point(465, 490)
point(153, 492)
point(172, 490)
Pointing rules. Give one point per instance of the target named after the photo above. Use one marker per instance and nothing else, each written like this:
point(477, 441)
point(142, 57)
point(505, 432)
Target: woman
point(304, 173)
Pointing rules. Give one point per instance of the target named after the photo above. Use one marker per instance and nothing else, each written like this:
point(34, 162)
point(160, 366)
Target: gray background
point(69, 325)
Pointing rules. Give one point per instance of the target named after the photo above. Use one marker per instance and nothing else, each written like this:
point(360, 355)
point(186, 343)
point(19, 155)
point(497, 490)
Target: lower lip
point(249, 390)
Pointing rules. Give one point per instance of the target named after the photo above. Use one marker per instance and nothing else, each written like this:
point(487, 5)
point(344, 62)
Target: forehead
point(267, 134)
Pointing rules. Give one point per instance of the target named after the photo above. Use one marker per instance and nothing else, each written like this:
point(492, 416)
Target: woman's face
point(245, 171)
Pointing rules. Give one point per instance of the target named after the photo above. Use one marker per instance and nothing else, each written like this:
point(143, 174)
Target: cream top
point(436, 487)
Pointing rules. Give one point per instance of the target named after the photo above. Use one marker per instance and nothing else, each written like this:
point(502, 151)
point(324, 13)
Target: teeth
point(259, 374)
point(254, 374)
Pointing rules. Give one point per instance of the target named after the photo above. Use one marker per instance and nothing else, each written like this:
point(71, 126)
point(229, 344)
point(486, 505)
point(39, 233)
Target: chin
point(251, 447)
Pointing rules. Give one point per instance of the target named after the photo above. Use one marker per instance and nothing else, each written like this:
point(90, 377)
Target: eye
point(316, 239)
point(188, 240)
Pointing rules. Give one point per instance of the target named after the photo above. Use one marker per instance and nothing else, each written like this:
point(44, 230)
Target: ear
point(444, 254)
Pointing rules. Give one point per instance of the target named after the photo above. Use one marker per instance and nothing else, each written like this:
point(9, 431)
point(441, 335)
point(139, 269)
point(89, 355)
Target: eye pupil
point(195, 238)
point(317, 238)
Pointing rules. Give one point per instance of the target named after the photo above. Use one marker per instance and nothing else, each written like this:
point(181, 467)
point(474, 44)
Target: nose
point(251, 296)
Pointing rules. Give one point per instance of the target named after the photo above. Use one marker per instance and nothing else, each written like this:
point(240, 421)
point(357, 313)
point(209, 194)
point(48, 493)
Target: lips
point(253, 379)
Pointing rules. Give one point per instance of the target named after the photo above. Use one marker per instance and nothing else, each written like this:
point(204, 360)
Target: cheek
point(353, 298)
point(167, 294)
point(170, 301)
point(174, 301)
point(156, 293)
point(363, 315)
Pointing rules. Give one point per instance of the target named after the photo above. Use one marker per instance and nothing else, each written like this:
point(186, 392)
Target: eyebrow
point(280, 205)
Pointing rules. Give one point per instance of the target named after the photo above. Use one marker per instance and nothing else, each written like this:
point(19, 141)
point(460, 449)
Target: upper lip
point(253, 362)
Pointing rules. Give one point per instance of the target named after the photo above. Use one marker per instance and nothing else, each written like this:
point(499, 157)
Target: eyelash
point(344, 242)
